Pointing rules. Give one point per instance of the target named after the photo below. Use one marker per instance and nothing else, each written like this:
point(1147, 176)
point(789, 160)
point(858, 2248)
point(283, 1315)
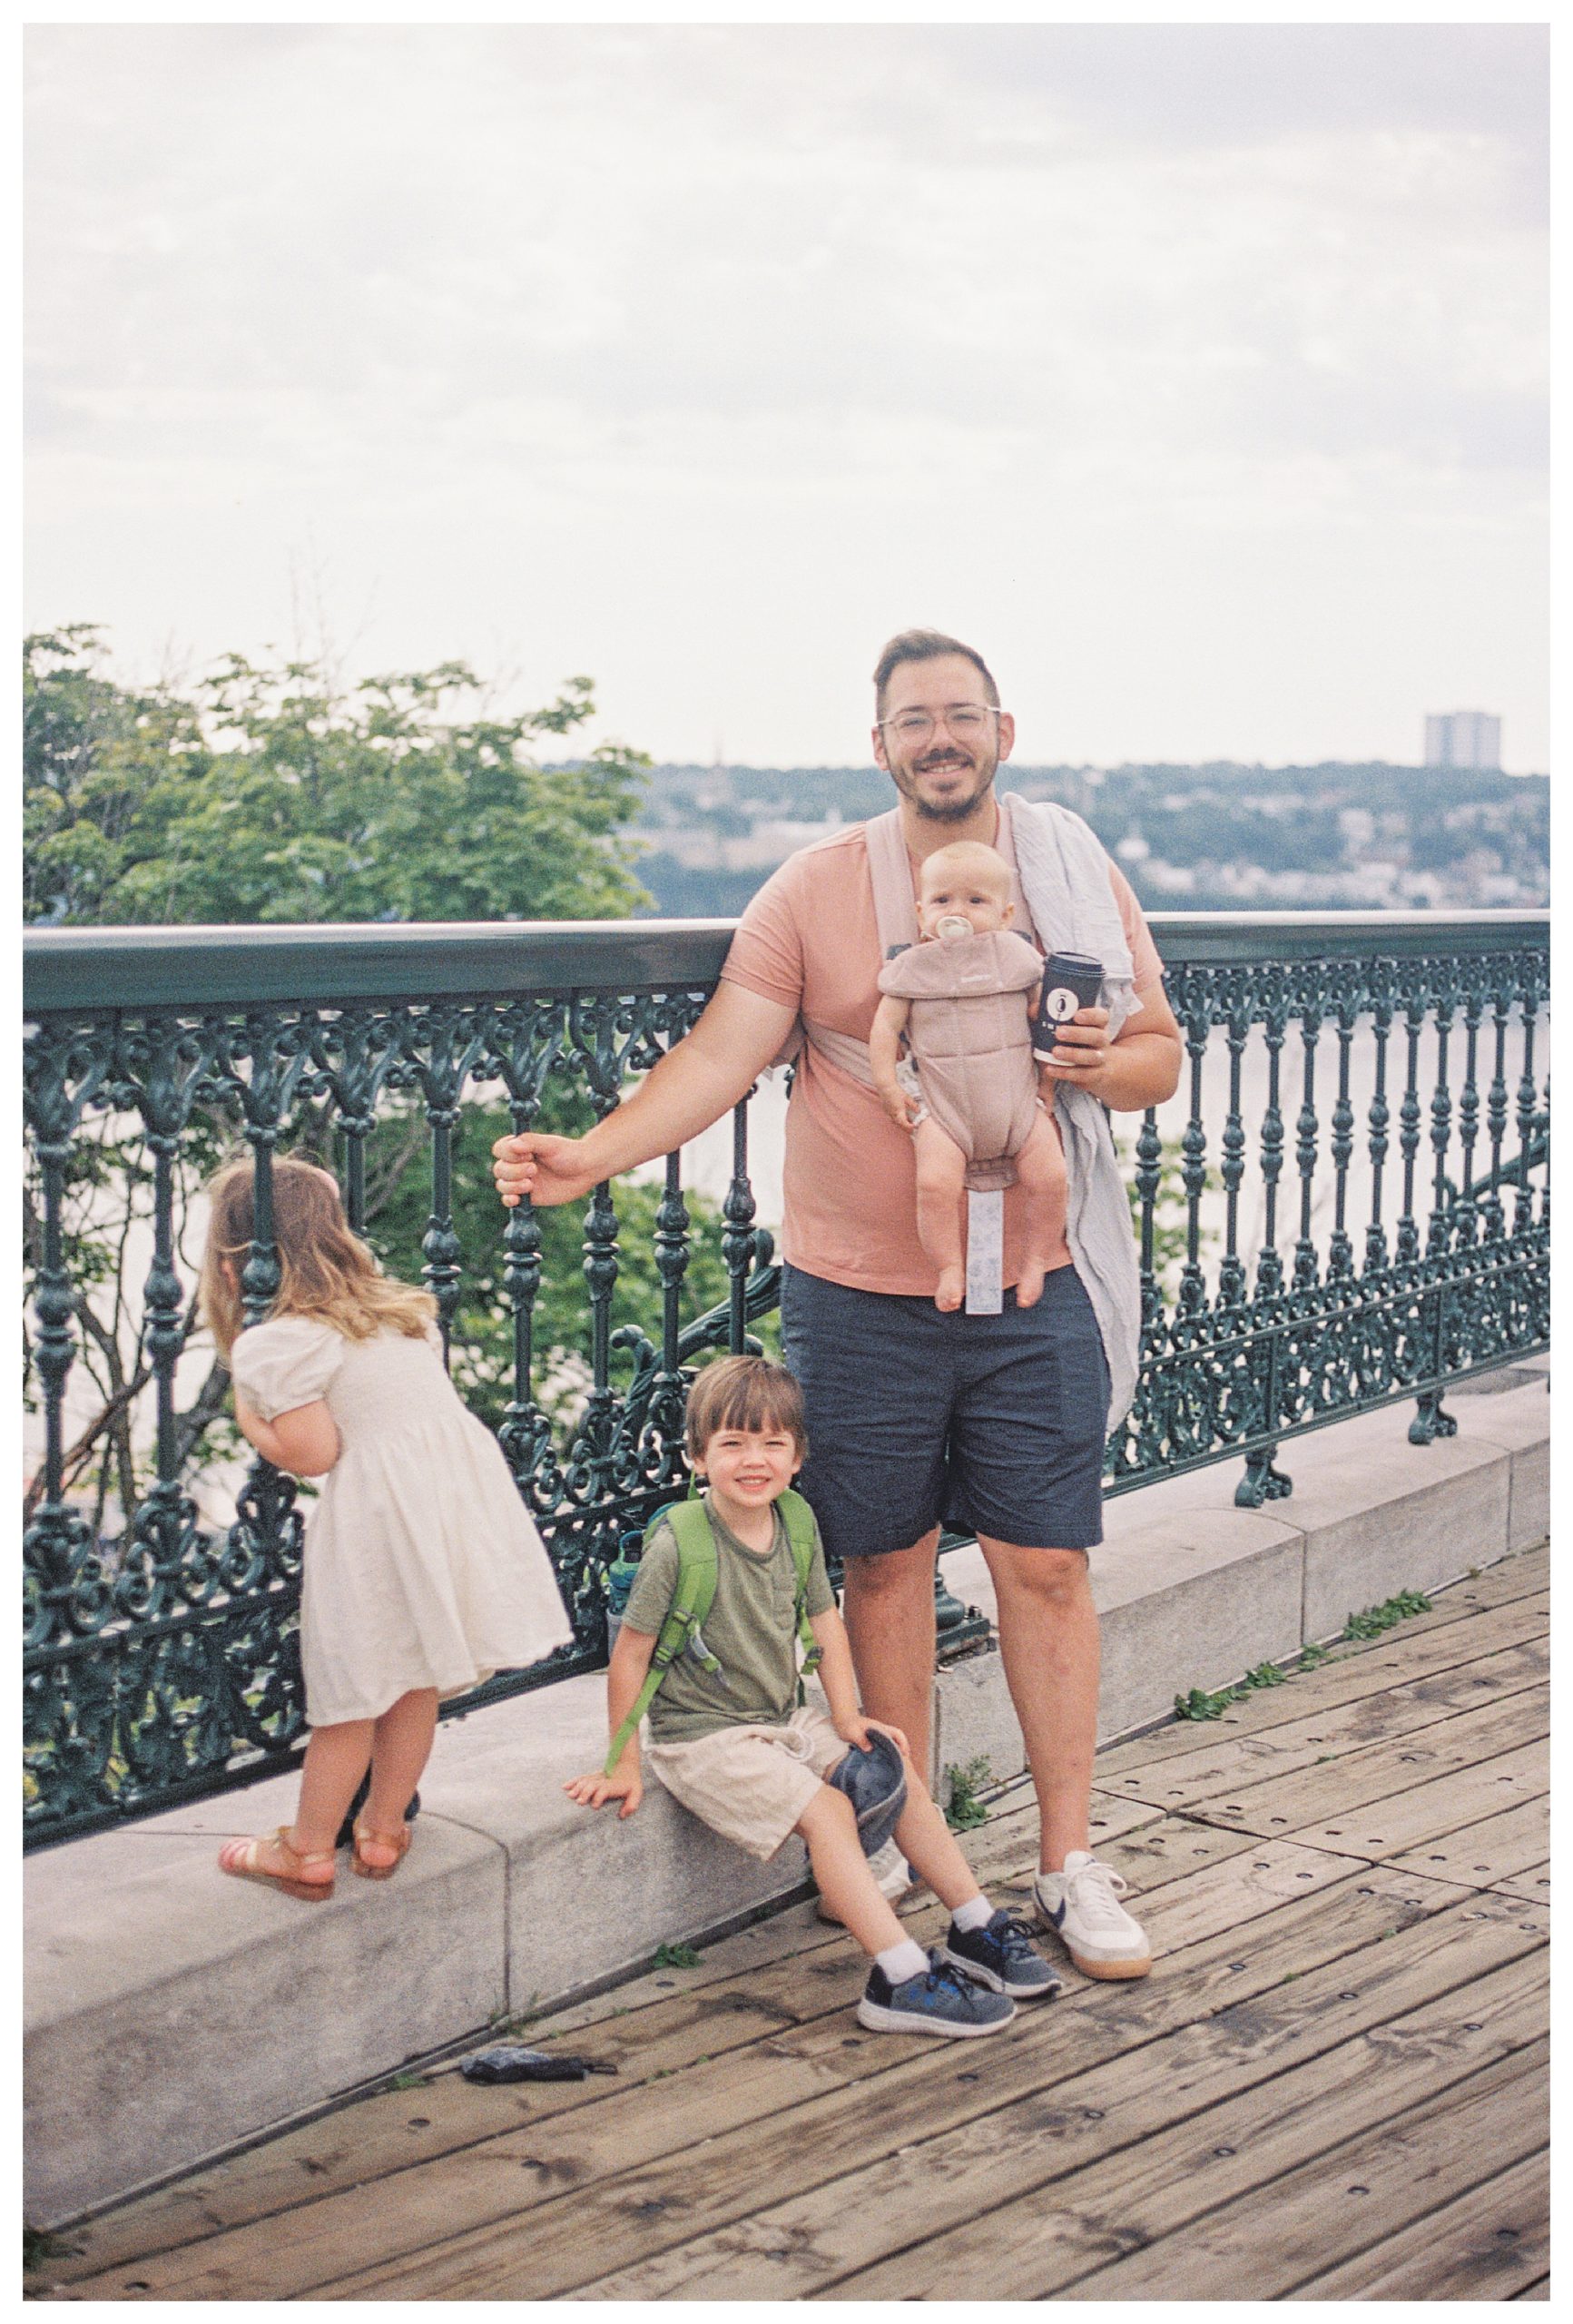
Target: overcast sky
point(1195, 374)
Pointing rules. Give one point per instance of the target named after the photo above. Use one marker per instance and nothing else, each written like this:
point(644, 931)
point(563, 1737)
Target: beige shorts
point(751, 1784)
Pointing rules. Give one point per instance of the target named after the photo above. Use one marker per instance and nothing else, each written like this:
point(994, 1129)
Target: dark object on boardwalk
point(875, 1781)
point(1071, 980)
point(509, 2062)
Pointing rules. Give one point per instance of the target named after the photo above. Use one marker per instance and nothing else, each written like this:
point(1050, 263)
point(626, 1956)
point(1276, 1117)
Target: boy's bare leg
point(929, 1847)
point(830, 1826)
point(887, 1605)
point(1048, 1644)
point(941, 1168)
point(1040, 1168)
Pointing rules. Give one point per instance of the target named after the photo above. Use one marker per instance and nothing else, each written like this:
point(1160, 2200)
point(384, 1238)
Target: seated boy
point(732, 1747)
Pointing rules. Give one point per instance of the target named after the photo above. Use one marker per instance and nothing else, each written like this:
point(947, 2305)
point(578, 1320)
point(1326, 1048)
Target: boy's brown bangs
point(744, 1392)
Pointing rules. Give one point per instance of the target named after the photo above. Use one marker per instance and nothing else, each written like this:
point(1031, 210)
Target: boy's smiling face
point(747, 1469)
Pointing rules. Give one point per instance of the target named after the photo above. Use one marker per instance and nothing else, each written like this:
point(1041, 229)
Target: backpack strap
point(799, 1520)
point(691, 1604)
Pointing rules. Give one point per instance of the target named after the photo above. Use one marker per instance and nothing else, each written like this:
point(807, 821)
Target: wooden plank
point(1299, 1802)
point(1343, 2203)
point(747, 1986)
point(1170, 1849)
point(1493, 2243)
point(1534, 1885)
point(1392, 1826)
point(1485, 1855)
point(1328, 1735)
point(1322, 2058)
point(765, 1986)
point(1542, 2291)
point(398, 2129)
point(1027, 2245)
point(1424, 1647)
point(644, 2211)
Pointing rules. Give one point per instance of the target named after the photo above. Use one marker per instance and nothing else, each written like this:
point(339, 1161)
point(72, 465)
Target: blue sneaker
point(940, 2000)
point(1002, 1955)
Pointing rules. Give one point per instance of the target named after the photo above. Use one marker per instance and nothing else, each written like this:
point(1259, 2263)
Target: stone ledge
point(171, 2014)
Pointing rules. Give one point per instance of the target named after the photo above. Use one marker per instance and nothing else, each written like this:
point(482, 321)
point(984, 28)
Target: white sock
point(902, 1961)
point(976, 1915)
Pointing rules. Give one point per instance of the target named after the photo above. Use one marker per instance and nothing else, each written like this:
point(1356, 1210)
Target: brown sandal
point(399, 1840)
point(239, 1858)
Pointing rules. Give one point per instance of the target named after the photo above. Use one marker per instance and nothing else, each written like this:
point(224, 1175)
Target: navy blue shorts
point(989, 1424)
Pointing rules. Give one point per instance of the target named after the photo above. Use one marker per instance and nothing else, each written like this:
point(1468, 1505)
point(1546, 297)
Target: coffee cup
point(1071, 980)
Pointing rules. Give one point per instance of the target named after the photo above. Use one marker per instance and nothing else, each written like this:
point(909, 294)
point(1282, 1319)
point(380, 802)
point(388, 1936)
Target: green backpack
point(697, 1566)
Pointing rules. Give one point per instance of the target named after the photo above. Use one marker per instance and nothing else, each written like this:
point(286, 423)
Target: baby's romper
point(422, 1567)
point(970, 1036)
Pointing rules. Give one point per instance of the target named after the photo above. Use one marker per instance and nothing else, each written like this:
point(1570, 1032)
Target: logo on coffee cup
point(1060, 1004)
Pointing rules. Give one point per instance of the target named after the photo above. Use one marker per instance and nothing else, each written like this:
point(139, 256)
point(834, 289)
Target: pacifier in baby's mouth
point(953, 924)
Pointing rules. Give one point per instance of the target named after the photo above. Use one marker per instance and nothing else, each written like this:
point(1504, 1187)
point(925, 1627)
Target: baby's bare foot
point(1030, 1287)
point(951, 1291)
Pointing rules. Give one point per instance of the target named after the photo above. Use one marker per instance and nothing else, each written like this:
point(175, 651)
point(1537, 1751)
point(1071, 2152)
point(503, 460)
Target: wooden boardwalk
point(1333, 2087)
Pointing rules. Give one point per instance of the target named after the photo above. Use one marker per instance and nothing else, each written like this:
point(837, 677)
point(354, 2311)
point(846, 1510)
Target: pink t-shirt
point(808, 939)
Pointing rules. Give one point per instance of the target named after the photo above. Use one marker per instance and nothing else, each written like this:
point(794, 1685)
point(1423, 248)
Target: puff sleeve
point(280, 1365)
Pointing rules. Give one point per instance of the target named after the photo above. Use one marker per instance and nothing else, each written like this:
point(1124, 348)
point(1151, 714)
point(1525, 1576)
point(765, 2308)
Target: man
point(998, 1422)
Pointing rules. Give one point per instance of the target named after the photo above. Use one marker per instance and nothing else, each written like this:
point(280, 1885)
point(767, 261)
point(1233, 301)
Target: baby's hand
point(596, 1790)
point(899, 1106)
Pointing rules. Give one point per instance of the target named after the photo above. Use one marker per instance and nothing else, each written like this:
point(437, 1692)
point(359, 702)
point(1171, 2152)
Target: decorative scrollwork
point(164, 1660)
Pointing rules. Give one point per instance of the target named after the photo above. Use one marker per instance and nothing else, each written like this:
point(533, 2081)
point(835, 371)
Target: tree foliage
point(269, 794)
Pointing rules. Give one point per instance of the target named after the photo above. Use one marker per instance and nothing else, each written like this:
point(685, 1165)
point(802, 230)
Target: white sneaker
point(1080, 1905)
point(892, 1872)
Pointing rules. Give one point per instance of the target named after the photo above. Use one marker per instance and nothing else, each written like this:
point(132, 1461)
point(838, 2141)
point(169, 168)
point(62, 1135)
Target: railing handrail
point(67, 968)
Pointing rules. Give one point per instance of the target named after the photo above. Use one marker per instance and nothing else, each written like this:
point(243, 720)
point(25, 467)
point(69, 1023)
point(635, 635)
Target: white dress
point(423, 1567)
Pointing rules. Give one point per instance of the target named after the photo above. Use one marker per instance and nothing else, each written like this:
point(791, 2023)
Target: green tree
point(272, 795)
point(269, 795)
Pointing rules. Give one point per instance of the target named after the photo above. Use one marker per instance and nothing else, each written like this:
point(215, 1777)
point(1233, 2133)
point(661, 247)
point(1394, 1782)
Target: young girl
point(423, 1573)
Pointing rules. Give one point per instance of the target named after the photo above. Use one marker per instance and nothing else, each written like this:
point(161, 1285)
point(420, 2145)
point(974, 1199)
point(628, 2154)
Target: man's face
point(943, 774)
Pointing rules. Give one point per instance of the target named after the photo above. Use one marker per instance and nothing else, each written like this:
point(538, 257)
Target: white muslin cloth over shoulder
point(423, 1567)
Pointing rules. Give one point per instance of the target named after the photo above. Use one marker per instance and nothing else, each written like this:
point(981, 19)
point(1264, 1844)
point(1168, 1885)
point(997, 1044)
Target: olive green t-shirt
point(750, 1629)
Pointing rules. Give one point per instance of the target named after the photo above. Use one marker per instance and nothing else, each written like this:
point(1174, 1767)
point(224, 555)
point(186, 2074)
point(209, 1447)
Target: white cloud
point(568, 348)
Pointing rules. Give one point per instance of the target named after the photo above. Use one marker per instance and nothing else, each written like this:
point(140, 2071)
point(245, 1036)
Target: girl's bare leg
point(1040, 1167)
point(402, 1746)
point(941, 1168)
point(335, 1759)
point(830, 1826)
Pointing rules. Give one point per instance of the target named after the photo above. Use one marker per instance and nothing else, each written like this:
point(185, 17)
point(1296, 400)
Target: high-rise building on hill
point(1464, 738)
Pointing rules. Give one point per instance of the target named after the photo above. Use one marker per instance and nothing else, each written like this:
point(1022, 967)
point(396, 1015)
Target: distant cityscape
point(1221, 837)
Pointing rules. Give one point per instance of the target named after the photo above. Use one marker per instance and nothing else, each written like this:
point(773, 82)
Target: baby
point(965, 1001)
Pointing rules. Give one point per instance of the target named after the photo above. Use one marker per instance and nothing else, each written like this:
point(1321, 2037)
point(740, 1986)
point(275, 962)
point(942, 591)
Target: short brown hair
point(927, 645)
point(744, 1392)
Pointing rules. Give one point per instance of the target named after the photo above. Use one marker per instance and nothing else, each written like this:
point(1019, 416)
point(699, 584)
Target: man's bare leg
point(1040, 1168)
point(1048, 1644)
point(941, 1169)
point(888, 1605)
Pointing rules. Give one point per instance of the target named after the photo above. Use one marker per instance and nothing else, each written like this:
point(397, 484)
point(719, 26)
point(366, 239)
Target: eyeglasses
point(964, 719)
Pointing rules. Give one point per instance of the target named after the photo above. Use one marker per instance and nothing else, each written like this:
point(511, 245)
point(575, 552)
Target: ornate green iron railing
point(1346, 1205)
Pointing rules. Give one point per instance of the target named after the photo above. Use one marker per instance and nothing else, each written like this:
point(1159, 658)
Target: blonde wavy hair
point(326, 1271)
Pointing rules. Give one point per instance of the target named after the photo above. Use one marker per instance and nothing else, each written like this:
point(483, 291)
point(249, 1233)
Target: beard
point(954, 809)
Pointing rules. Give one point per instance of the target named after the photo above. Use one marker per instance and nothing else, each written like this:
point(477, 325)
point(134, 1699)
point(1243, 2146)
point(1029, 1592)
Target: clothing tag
point(985, 1254)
